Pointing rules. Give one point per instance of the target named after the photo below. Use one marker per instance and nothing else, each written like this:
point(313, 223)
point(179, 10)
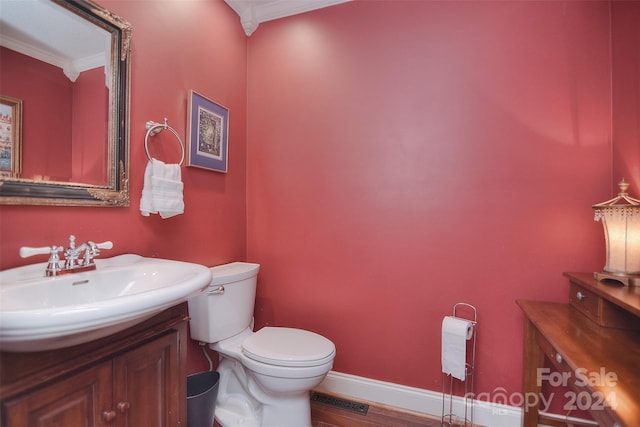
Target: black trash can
point(202, 390)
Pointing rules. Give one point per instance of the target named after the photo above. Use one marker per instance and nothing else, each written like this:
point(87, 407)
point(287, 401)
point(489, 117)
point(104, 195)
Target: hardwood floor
point(323, 415)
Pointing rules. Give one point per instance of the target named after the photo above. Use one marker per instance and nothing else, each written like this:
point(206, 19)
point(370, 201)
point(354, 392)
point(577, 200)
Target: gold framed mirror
point(66, 63)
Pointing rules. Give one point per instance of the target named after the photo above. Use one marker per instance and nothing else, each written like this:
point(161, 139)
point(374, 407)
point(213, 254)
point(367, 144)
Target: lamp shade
point(621, 221)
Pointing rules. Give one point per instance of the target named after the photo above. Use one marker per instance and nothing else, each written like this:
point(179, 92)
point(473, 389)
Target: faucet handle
point(53, 265)
point(105, 245)
point(93, 250)
point(27, 251)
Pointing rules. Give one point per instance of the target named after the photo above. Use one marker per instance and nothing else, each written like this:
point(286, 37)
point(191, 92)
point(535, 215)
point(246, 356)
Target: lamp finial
point(624, 186)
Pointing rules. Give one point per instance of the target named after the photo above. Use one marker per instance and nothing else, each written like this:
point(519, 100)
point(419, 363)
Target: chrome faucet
point(74, 259)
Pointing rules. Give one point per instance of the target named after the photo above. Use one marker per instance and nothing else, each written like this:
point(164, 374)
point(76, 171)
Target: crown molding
point(254, 12)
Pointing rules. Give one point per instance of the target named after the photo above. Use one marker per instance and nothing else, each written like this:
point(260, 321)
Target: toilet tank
point(216, 314)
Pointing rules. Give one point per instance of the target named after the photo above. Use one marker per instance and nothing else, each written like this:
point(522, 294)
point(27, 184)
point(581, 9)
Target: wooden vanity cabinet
point(75, 401)
point(146, 384)
point(132, 379)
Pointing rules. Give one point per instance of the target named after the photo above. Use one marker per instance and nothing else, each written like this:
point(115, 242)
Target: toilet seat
point(288, 347)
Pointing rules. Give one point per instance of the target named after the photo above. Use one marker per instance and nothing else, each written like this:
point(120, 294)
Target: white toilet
point(265, 376)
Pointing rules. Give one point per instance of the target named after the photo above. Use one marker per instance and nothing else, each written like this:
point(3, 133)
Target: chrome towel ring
point(153, 128)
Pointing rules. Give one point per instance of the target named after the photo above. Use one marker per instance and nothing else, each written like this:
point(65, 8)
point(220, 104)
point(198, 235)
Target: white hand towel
point(162, 191)
point(146, 201)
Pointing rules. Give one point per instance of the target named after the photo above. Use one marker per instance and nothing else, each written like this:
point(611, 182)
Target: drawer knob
point(109, 415)
point(558, 358)
point(580, 296)
point(123, 407)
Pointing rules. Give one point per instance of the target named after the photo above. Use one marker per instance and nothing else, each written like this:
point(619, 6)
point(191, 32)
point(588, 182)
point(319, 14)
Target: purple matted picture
point(208, 134)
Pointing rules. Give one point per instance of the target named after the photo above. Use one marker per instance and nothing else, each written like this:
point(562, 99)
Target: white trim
point(254, 12)
point(419, 400)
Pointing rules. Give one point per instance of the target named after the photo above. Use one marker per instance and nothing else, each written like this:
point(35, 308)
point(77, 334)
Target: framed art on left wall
point(10, 137)
point(208, 131)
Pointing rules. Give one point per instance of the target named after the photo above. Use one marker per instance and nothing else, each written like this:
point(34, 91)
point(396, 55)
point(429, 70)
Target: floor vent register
point(336, 402)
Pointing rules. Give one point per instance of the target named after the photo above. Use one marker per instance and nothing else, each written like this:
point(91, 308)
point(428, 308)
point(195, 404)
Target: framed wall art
point(208, 129)
point(10, 137)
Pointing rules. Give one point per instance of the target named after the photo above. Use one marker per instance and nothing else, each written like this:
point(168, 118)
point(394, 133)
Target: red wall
point(625, 17)
point(177, 46)
point(404, 156)
point(43, 89)
point(90, 118)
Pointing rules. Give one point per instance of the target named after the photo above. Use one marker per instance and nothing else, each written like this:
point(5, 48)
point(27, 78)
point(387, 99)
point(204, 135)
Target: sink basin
point(44, 313)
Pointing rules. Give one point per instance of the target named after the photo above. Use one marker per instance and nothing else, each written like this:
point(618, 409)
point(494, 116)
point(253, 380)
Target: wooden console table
point(600, 363)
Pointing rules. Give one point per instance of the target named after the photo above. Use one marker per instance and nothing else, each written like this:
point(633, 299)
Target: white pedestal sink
point(45, 313)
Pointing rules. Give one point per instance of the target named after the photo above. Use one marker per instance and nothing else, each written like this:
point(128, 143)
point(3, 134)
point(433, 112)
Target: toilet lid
point(288, 347)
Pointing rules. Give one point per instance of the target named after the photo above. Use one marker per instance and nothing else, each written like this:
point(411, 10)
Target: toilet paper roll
point(455, 333)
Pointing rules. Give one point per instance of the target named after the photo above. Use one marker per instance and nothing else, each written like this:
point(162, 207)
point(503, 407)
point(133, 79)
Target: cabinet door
point(79, 401)
point(147, 384)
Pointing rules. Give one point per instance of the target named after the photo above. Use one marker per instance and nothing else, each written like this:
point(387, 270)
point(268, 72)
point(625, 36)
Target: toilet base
point(290, 414)
point(243, 403)
point(227, 418)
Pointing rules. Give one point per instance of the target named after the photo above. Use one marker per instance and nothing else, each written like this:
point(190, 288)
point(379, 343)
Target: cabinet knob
point(123, 407)
point(109, 415)
point(580, 296)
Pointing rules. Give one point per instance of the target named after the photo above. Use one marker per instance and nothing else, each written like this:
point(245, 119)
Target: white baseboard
point(418, 400)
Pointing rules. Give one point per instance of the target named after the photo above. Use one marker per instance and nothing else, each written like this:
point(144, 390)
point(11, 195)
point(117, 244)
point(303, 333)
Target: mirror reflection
point(63, 105)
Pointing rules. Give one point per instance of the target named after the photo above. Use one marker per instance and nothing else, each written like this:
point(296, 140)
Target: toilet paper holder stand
point(449, 419)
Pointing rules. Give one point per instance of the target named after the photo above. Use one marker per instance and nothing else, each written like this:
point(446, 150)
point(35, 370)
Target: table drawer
point(585, 301)
point(552, 354)
point(601, 311)
point(581, 397)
